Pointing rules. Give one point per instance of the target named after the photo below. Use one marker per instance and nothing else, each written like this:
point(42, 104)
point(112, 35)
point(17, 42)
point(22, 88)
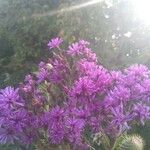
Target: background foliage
point(117, 36)
point(22, 37)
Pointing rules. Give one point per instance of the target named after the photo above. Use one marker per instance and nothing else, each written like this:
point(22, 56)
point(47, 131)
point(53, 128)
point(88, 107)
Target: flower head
point(142, 112)
point(54, 43)
point(83, 87)
point(42, 74)
point(77, 48)
point(54, 120)
point(120, 119)
point(7, 135)
point(74, 128)
point(9, 97)
point(56, 135)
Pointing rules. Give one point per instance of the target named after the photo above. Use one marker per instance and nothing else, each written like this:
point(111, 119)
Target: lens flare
point(68, 9)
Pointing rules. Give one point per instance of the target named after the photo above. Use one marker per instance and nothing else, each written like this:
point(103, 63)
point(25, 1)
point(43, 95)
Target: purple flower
point(84, 67)
point(120, 119)
point(118, 95)
point(79, 113)
point(142, 112)
point(135, 74)
point(84, 86)
point(90, 55)
point(58, 71)
point(56, 115)
point(9, 98)
point(28, 137)
point(41, 64)
point(28, 85)
point(44, 71)
point(77, 48)
point(18, 119)
point(84, 43)
point(98, 74)
point(42, 74)
point(74, 127)
point(55, 124)
point(74, 49)
point(7, 135)
point(56, 134)
point(116, 76)
point(138, 70)
point(28, 78)
point(54, 43)
point(77, 95)
point(94, 123)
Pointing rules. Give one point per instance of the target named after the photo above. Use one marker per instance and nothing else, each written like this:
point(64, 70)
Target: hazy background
point(116, 34)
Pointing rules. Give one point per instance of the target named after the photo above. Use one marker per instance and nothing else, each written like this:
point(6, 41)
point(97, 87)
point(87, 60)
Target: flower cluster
point(15, 120)
point(70, 95)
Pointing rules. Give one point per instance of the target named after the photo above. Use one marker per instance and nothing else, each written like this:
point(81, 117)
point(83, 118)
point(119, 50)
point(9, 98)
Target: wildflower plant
point(72, 98)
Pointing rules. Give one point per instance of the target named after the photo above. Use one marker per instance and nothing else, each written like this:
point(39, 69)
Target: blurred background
point(119, 32)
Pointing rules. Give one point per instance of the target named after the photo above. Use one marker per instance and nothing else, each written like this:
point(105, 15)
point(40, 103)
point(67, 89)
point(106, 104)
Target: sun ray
point(68, 9)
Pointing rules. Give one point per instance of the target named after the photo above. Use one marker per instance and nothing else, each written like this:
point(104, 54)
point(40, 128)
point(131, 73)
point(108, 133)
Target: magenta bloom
point(119, 119)
point(56, 135)
point(7, 135)
point(77, 48)
point(9, 98)
point(83, 87)
point(42, 74)
point(55, 122)
point(74, 127)
point(142, 112)
point(54, 43)
point(18, 120)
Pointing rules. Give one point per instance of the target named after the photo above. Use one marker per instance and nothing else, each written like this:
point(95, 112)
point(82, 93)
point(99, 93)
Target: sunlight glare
point(142, 10)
